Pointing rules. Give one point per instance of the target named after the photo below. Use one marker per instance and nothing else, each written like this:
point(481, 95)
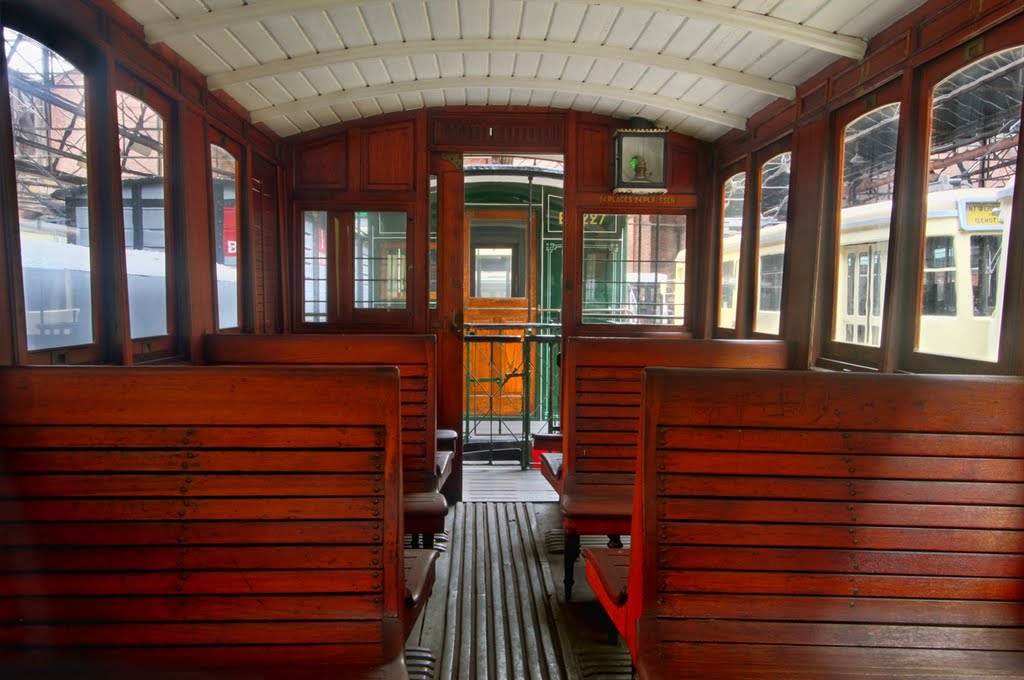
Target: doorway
point(511, 302)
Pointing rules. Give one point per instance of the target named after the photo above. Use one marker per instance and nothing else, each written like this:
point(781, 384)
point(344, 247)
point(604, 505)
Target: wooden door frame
point(446, 320)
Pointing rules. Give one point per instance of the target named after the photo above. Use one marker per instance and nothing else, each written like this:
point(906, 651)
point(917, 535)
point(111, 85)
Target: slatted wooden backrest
point(413, 354)
point(206, 517)
point(602, 400)
point(809, 516)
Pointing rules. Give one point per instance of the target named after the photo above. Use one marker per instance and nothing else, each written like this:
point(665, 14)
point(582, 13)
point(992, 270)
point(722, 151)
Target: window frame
point(157, 346)
point(219, 138)
point(851, 353)
point(740, 271)
point(752, 241)
point(342, 314)
point(684, 330)
point(908, 358)
point(89, 61)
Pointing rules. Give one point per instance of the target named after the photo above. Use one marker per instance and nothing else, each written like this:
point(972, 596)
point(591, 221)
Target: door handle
point(457, 326)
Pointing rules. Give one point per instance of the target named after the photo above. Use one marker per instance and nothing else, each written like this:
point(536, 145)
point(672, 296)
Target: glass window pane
point(224, 183)
point(492, 272)
point(771, 241)
point(314, 267)
point(141, 141)
point(379, 251)
point(634, 269)
point(971, 175)
point(48, 119)
point(733, 193)
point(869, 169)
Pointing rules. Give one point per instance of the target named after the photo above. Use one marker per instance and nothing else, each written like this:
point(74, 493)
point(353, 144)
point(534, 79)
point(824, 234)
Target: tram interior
point(529, 339)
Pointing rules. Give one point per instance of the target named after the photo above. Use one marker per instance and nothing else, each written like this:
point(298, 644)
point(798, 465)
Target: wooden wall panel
point(264, 234)
point(388, 158)
point(323, 165)
point(195, 297)
point(593, 161)
point(481, 129)
point(682, 165)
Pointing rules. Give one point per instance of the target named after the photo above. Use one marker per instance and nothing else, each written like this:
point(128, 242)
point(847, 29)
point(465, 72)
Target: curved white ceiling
point(699, 67)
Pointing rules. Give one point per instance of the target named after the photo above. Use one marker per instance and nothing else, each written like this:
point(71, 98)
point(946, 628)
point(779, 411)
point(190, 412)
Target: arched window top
point(775, 189)
point(869, 156)
point(976, 121)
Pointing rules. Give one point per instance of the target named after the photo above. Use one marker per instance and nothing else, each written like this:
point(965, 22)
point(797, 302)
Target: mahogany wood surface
point(602, 421)
point(231, 519)
point(825, 525)
point(414, 355)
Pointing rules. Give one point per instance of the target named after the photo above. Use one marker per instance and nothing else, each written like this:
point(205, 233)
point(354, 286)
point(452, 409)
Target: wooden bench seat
point(824, 525)
point(415, 357)
point(239, 521)
point(602, 423)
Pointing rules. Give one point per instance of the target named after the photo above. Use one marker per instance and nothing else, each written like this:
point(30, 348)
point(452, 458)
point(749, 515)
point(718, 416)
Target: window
point(226, 235)
point(771, 240)
point(143, 177)
point(939, 296)
point(355, 267)
point(975, 128)
point(770, 284)
point(985, 253)
point(867, 182)
point(634, 269)
point(733, 193)
point(492, 272)
point(379, 257)
point(314, 267)
point(47, 96)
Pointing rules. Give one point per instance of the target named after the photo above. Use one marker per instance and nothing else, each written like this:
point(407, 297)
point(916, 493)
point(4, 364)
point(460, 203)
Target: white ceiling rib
point(373, 92)
point(271, 69)
point(698, 67)
point(255, 10)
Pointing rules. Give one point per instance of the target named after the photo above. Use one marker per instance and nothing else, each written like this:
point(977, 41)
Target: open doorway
point(512, 283)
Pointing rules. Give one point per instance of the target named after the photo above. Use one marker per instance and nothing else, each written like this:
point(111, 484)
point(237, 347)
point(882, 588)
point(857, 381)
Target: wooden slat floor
point(496, 613)
point(493, 614)
point(504, 482)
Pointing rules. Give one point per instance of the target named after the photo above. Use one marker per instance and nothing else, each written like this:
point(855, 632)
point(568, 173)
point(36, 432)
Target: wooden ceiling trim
point(407, 49)
point(834, 43)
point(587, 89)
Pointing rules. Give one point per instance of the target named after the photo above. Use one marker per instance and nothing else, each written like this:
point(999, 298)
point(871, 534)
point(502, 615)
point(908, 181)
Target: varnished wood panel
point(323, 165)
point(387, 157)
point(786, 509)
point(594, 158)
point(475, 129)
point(148, 534)
point(414, 355)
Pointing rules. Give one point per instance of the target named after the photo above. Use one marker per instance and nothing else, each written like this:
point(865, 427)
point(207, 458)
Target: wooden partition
point(602, 421)
point(413, 354)
point(825, 525)
point(240, 520)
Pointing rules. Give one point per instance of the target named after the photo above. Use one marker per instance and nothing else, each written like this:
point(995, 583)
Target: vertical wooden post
point(450, 297)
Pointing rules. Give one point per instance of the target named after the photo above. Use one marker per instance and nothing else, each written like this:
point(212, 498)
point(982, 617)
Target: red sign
point(230, 231)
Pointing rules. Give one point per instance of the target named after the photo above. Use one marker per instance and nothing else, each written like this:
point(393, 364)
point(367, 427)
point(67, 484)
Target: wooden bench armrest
point(551, 469)
point(424, 512)
point(443, 466)
point(593, 501)
point(419, 575)
point(611, 566)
